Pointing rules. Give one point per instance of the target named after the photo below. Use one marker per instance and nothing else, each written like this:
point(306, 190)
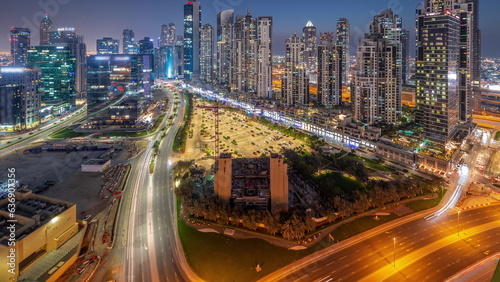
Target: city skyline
point(89, 21)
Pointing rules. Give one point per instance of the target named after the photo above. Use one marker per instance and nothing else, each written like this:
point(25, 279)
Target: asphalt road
point(425, 251)
point(146, 246)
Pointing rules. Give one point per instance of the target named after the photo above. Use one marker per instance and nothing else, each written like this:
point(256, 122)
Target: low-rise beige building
point(36, 226)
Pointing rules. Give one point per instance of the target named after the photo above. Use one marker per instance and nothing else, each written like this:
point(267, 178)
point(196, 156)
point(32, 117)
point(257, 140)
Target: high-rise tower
point(225, 21)
point(343, 39)
point(129, 45)
point(19, 45)
point(207, 53)
point(295, 83)
point(45, 26)
point(192, 25)
point(310, 52)
point(329, 71)
point(437, 71)
point(265, 57)
point(377, 82)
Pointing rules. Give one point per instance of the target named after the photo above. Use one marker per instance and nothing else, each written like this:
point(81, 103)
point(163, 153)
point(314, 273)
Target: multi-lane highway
point(146, 241)
point(425, 250)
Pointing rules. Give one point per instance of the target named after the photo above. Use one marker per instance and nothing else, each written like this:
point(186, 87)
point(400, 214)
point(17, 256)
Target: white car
point(87, 217)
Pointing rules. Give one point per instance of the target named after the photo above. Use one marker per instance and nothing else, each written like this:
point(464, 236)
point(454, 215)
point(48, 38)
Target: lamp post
point(458, 229)
point(394, 251)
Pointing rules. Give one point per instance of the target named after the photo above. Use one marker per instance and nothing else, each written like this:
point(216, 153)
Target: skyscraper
point(146, 46)
point(343, 39)
point(437, 71)
point(295, 83)
point(225, 21)
point(469, 75)
point(170, 40)
point(45, 26)
point(244, 54)
point(129, 45)
point(192, 25)
point(67, 36)
point(265, 57)
point(58, 66)
point(19, 44)
point(310, 40)
point(19, 98)
point(107, 46)
point(207, 54)
point(405, 55)
point(377, 82)
point(329, 71)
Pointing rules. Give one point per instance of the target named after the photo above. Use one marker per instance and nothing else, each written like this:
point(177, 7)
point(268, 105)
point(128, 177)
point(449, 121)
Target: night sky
point(107, 18)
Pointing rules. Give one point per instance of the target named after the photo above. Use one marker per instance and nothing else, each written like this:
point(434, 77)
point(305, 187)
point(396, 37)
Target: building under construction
point(260, 183)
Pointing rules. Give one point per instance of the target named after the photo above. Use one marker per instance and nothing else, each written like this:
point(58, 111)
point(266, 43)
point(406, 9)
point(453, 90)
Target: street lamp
point(394, 251)
point(458, 229)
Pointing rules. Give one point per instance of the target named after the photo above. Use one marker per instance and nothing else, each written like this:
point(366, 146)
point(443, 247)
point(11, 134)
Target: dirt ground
point(72, 185)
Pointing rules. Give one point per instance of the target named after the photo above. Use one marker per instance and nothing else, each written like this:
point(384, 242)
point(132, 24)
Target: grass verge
point(360, 225)
point(420, 205)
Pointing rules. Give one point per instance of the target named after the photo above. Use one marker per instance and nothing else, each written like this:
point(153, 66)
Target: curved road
point(425, 250)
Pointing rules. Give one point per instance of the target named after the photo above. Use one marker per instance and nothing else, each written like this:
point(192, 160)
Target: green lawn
point(66, 133)
point(496, 275)
point(370, 163)
point(360, 225)
point(231, 259)
point(420, 205)
point(497, 136)
point(334, 183)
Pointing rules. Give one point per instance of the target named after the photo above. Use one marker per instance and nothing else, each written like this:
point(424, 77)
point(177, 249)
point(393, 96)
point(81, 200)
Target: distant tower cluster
point(244, 53)
point(378, 78)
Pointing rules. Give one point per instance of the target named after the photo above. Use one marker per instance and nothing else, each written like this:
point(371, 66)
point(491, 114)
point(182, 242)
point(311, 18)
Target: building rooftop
point(95, 162)
point(32, 212)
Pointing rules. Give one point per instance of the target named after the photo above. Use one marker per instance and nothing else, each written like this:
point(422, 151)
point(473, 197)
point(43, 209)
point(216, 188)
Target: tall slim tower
point(265, 57)
point(244, 54)
point(163, 36)
point(343, 39)
point(225, 21)
point(207, 53)
point(469, 75)
point(329, 71)
point(129, 45)
point(192, 25)
point(310, 53)
point(295, 84)
point(19, 45)
point(171, 34)
point(377, 82)
point(45, 26)
point(405, 55)
point(436, 75)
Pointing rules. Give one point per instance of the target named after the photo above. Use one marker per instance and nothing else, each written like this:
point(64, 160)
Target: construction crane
point(215, 109)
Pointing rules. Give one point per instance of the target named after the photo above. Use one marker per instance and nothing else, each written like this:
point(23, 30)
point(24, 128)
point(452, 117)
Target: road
point(426, 250)
point(42, 133)
point(147, 224)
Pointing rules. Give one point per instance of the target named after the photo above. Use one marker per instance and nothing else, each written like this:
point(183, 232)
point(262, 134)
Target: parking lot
point(239, 135)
